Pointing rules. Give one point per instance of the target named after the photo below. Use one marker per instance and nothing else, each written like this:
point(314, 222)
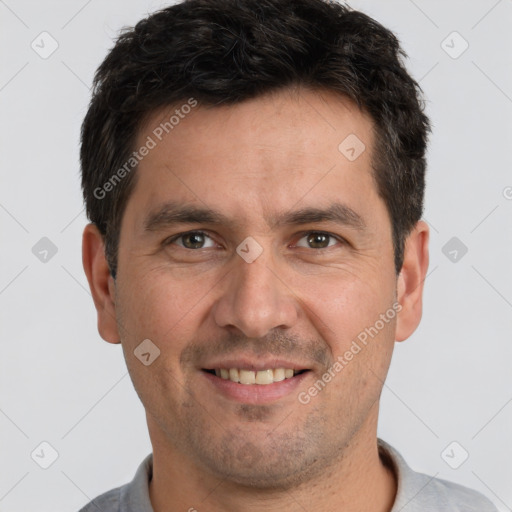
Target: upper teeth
point(251, 377)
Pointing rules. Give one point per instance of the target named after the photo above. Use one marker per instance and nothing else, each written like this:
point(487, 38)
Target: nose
point(255, 299)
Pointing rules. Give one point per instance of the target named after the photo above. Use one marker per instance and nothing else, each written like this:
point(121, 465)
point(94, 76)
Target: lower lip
point(255, 393)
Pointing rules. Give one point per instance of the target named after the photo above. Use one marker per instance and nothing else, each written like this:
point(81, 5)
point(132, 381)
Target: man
point(254, 174)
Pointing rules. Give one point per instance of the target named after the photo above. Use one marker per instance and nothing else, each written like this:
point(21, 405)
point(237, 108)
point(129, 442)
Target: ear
point(410, 281)
point(101, 283)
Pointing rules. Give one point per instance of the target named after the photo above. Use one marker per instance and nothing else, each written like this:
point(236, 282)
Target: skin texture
point(297, 301)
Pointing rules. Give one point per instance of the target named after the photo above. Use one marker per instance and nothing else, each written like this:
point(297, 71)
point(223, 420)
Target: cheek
point(166, 311)
point(163, 308)
point(343, 308)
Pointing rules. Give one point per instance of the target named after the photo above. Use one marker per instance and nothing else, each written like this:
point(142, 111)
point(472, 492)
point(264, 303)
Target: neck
point(359, 481)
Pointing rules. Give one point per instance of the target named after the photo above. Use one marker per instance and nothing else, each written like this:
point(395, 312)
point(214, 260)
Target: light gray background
point(62, 384)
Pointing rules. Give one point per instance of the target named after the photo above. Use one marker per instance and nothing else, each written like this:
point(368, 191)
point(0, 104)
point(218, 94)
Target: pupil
point(317, 240)
point(195, 240)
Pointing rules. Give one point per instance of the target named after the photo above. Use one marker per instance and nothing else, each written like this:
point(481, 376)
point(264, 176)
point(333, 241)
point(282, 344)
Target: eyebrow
point(172, 213)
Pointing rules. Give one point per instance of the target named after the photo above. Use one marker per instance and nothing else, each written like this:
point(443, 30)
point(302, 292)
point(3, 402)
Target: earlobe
point(411, 279)
point(101, 282)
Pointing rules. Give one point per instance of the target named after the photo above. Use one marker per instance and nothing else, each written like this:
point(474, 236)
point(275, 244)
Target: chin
point(283, 464)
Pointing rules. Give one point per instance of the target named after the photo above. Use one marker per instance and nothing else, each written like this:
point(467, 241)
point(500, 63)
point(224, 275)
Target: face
point(255, 248)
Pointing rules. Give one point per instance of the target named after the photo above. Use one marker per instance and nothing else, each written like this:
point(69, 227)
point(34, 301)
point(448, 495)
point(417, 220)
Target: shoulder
point(444, 495)
point(131, 497)
point(106, 502)
point(418, 492)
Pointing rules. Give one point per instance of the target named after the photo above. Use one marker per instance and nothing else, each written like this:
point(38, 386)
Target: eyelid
point(300, 235)
point(340, 239)
point(173, 238)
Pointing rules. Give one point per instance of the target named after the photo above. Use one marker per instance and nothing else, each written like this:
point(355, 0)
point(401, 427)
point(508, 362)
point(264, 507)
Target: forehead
point(291, 146)
point(290, 119)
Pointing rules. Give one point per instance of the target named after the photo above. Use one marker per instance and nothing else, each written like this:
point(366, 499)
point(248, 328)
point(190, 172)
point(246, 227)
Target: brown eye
point(192, 240)
point(318, 240)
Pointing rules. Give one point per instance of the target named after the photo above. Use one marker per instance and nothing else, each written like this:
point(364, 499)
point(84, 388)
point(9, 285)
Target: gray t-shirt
point(416, 492)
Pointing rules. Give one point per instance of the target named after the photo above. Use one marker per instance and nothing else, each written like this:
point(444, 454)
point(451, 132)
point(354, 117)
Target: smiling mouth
point(249, 377)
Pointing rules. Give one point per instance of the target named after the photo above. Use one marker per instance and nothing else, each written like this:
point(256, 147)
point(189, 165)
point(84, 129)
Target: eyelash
point(172, 239)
